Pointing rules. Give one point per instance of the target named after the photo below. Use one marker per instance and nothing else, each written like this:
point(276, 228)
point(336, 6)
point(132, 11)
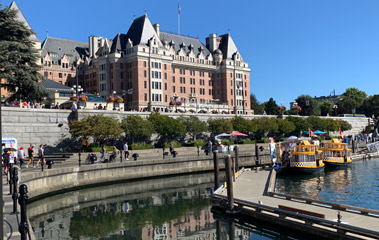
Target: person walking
point(126, 151)
point(209, 147)
point(6, 159)
point(30, 155)
point(172, 150)
point(84, 144)
point(103, 153)
point(41, 155)
point(21, 156)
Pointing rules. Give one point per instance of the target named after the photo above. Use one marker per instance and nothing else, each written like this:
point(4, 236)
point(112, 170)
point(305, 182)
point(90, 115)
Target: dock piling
point(216, 170)
point(229, 183)
point(237, 157)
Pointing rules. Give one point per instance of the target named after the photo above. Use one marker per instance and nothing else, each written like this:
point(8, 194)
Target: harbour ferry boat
point(336, 153)
point(300, 156)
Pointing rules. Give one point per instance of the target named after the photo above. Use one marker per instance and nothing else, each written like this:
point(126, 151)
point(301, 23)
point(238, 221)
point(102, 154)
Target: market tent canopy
point(238, 134)
point(223, 135)
point(318, 132)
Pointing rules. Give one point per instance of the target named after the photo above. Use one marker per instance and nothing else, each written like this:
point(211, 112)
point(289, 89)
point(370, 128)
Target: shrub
point(167, 145)
point(140, 146)
point(226, 142)
point(195, 143)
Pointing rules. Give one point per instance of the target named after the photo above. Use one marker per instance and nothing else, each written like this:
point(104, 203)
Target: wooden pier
point(255, 198)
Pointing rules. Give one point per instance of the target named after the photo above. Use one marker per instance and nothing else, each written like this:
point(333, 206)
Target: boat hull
point(298, 170)
point(337, 162)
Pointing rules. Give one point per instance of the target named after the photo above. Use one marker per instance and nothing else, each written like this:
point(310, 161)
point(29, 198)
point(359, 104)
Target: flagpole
point(179, 17)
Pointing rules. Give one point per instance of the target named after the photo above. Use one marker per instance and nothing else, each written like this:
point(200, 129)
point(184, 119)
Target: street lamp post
point(176, 103)
point(335, 109)
point(123, 97)
point(114, 102)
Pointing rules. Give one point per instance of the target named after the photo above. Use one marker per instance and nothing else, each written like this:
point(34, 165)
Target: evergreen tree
point(271, 107)
point(18, 58)
point(255, 105)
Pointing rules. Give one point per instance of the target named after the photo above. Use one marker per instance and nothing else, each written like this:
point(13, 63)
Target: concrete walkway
point(251, 186)
point(10, 223)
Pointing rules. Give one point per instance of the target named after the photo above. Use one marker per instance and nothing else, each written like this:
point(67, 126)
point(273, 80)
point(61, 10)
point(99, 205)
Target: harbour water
point(179, 207)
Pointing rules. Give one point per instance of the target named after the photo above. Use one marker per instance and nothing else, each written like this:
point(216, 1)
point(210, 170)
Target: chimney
point(157, 29)
point(90, 46)
point(212, 42)
point(93, 45)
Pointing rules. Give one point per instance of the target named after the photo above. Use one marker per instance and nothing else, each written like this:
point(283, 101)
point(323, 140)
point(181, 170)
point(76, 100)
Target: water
point(179, 207)
point(170, 208)
point(356, 185)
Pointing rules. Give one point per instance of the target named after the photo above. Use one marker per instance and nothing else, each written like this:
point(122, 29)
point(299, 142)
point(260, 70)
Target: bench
point(319, 215)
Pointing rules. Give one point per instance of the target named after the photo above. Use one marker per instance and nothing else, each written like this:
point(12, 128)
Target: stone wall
point(50, 126)
point(53, 181)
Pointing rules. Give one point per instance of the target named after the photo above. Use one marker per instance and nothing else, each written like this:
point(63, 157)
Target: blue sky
point(293, 47)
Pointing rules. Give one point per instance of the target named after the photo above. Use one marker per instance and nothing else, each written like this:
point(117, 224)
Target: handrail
point(365, 211)
point(341, 227)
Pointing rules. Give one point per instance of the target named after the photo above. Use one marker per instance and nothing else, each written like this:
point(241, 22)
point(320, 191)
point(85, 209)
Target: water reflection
point(170, 208)
point(356, 185)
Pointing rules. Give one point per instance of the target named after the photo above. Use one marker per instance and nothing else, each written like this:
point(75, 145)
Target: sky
point(293, 47)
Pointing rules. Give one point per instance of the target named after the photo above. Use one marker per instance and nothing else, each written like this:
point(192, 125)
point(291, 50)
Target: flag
point(340, 132)
point(179, 8)
point(311, 134)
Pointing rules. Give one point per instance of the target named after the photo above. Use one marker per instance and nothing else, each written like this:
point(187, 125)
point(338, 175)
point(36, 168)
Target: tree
point(264, 126)
point(326, 107)
point(166, 127)
point(255, 105)
point(344, 126)
point(370, 106)
point(316, 123)
point(194, 126)
point(99, 127)
point(136, 127)
point(352, 98)
point(271, 107)
point(284, 127)
point(308, 105)
point(331, 125)
point(243, 125)
point(18, 59)
point(217, 126)
point(300, 124)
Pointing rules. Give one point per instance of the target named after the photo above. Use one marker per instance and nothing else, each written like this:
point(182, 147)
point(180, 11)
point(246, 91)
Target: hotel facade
point(157, 71)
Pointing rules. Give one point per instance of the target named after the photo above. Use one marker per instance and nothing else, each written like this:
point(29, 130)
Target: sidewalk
point(10, 223)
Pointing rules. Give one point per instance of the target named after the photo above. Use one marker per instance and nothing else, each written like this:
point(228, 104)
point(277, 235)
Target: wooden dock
point(254, 197)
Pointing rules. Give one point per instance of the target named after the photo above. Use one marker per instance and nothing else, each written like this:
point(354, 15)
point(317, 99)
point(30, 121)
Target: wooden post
point(229, 183)
point(218, 230)
point(216, 170)
point(231, 230)
point(237, 156)
point(256, 157)
point(353, 145)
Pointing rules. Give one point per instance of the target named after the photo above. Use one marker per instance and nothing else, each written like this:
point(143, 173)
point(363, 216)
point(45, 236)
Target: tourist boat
point(303, 157)
point(336, 153)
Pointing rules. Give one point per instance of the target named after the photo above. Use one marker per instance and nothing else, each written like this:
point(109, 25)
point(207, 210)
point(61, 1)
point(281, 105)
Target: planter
point(82, 104)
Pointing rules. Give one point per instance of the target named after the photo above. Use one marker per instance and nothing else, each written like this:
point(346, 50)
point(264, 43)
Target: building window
point(121, 75)
point(165, 98)
point(121, 65)
point(165, 75)
point(144, 63)
point(173, 79)
point(145, 97)
point(165, 66)
point(165, 86)
point(45, 75)
point(60, 75)
point(173, 89)
point(144, 73)
point(145, 84)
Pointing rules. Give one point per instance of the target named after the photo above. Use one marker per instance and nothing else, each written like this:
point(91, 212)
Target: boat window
point(312, 149)
point(307, 149)
point(302, 149)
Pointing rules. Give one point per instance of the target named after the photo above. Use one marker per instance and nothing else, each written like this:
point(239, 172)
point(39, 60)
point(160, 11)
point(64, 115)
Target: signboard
point(10, 143)
point(373, 147)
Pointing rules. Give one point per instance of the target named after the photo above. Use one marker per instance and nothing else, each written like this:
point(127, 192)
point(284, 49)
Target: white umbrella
point(223, 135)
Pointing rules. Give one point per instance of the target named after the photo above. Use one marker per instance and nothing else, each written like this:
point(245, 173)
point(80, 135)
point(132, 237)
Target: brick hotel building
point(151, 68)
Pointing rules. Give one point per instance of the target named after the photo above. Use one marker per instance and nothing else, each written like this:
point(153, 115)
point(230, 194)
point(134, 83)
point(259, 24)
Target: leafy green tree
point(271, 107)
point(316, 123)
point(284, 127)
point(264, 126)
point(309, 106)
point(18, 59)
point(194, 126)
point(326, 107)
point(243, 125)
point(217, 126)
point(331, 125)
point(166, 127)
point(300, 125)
point(370, 106)
point(255, 105)
point(344, 126)
point(135, 127)
point(352, 98)
point(99, 127)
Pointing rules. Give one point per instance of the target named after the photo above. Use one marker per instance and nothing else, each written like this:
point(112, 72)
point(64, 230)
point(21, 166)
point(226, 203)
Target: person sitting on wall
point(114, 154)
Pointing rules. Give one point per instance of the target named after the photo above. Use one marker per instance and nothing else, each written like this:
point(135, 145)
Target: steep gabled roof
point(188, 42)
point(54, 86)
point(20, 17)
point(141, 31)
point(227, 46)
point(62, 47)
point(119, 43)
